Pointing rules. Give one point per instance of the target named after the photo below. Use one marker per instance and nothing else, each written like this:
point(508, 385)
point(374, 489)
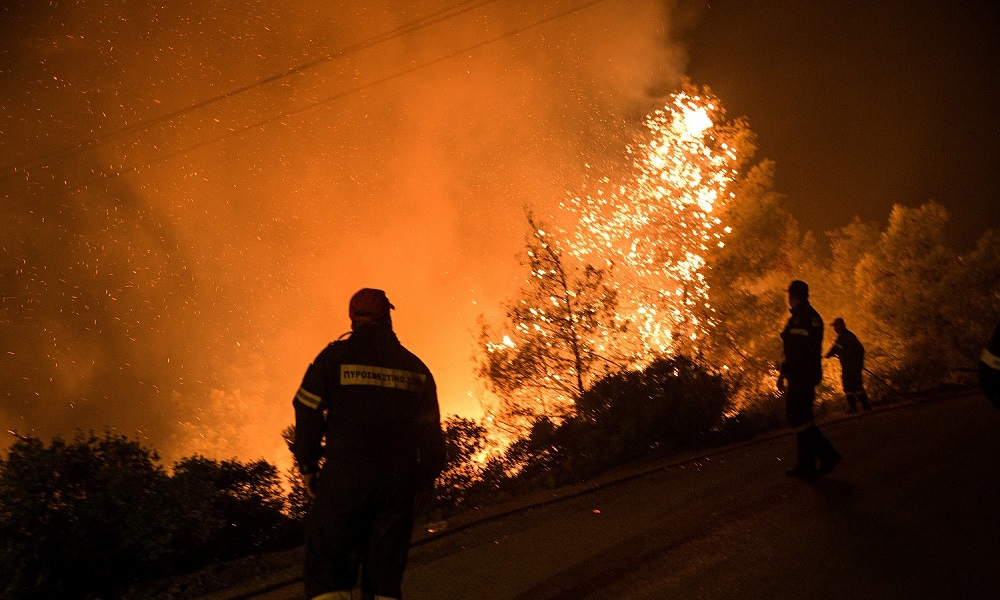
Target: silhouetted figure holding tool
point(851, 353)
point(375, 404)
point(800, 373)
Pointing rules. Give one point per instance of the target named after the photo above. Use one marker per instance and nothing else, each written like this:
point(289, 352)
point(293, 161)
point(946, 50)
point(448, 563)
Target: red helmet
point(368, 305)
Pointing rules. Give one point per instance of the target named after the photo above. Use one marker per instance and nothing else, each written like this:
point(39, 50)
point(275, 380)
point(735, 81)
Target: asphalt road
point(913, 511)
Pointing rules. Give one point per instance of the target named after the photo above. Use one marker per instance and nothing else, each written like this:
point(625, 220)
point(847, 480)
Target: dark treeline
point(671, 405)
point(84, 518)
point(89, 517)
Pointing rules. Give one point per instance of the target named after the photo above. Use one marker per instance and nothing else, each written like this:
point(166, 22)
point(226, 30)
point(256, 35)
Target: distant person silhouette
point(800, 373)
point(989, 369)
point(375, 403)
point(851, 353)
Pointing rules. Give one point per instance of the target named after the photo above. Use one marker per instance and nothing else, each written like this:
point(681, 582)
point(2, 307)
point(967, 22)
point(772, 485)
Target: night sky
point(191, 195)
point(866, 105)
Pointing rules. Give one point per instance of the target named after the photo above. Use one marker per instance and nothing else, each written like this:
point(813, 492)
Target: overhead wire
point(423, 22)
point(102, 175)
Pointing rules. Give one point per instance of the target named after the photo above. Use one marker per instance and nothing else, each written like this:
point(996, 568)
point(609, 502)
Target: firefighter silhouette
point(800, 373)
point(851, 353)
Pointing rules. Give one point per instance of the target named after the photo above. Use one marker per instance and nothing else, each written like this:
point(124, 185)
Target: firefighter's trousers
point(810, 442)
point(352, 527)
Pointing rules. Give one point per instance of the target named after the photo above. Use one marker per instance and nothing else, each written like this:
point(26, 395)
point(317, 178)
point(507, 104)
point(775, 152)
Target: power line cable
point(421, 23)
point(327, 100)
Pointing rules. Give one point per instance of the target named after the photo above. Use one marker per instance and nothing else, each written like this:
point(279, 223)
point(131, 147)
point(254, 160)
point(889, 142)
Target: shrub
point(80, 517)
point(672, 403)
point(90, 516)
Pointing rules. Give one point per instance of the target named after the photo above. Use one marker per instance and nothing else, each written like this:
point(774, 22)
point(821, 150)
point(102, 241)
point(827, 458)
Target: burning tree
point(654, 230)
point(683, 264)
point(747, 277)
point(628, 283)
point(553, 348)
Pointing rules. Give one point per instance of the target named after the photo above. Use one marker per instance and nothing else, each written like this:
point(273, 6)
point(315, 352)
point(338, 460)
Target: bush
point(767, 414)
point(226, 509)
point(80, 517)
point(90, 516)
point(464, 440)
point(671, 404)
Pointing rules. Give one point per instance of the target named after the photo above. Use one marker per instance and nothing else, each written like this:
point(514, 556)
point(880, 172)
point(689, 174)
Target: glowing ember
point(652, 232)
point(628, 282)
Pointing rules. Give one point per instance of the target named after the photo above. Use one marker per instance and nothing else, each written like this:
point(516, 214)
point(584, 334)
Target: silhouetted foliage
point(547, 349)
point(920, 307)
point(81, 517)
point(89, 516)
point(229, 508)
point(673, 403)
point(465, 442)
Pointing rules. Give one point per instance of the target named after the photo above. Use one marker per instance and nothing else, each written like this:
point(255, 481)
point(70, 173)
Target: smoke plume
point(196, 190)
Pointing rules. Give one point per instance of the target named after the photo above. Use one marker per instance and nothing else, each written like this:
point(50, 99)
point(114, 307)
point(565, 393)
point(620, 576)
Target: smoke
point(182, 300)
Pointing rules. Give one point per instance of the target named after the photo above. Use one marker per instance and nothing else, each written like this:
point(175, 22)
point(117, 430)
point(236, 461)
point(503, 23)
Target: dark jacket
point(802, 340)
point(850, 351)
point(376, 405)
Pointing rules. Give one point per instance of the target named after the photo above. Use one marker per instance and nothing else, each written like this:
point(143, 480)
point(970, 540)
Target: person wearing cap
point(375, 405)
point(801, 371)
point(851, 353)
point(989, 369)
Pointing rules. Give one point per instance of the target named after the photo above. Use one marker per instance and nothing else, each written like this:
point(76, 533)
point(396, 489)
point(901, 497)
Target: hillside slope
point(911, 512)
